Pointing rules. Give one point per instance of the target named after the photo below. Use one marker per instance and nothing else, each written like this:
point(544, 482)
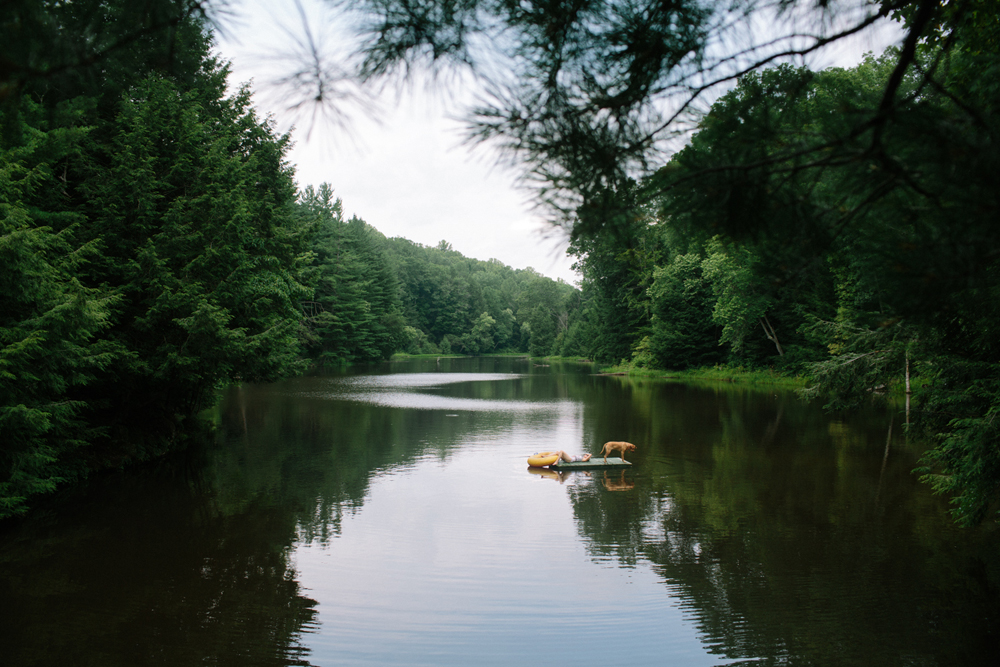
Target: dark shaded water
point(390, 518)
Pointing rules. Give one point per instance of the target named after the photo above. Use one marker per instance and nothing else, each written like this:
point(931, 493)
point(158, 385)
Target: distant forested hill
point(456, 304)
point(375, 296)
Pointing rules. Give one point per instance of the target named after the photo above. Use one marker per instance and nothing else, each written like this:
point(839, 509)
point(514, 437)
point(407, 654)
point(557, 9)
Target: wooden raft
point(594, 462)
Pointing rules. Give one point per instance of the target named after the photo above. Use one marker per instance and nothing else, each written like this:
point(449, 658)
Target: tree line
point(154, 247)
point(375, 296)
point(770, 241)
point(840, 223)
point(843, 222)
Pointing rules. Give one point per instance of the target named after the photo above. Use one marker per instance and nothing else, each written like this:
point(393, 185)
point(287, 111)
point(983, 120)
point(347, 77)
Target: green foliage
point(965, 404)
point(468, 306)
point(684, 334)
point(150, 251)
point(417, 342)
point(617, 273)
point(49, 323)
point(897, 218)
point(539, 306)
point(845, 222)
point(63, 52)
point(741, 300)
point(192, 200)
point(482, 338)
point(863, 362)
point(355, 312)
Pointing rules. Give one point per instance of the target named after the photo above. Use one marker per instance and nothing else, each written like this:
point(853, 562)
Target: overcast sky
point(407, 173)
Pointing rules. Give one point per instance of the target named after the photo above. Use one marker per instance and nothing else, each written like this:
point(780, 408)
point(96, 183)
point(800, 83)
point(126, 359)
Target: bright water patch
point(414, 391)
point(399, 380)
point(394, 399)
point(485, 566)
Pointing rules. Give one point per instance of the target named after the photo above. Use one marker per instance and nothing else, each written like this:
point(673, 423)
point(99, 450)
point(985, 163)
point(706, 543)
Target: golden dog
point(620, 447)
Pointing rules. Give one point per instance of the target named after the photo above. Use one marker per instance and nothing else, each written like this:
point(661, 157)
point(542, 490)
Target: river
point(386, 516)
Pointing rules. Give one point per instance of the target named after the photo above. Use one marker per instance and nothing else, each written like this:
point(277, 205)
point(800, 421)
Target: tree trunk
point(907, 387)
point(771, 335)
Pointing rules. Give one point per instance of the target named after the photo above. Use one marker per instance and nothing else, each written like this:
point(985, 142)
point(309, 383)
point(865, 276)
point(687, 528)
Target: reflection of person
point(570, 459)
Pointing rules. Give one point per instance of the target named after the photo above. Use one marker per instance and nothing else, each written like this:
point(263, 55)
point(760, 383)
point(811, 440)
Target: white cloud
point(407, 174)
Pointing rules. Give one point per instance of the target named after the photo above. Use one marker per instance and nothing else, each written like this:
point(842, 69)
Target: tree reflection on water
point(794, 537)
point(785, 535)
point(152, 569)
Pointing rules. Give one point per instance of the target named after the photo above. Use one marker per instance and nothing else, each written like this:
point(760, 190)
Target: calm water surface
point(389, 518)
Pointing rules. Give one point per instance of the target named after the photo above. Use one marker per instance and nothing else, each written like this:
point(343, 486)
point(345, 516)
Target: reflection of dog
point(620, 447)
point(617, 485)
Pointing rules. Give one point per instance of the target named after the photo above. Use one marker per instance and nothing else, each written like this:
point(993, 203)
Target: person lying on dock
point(563, 456)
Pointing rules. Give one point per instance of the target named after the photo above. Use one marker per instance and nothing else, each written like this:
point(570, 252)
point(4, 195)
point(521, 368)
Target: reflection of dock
point(593, 463)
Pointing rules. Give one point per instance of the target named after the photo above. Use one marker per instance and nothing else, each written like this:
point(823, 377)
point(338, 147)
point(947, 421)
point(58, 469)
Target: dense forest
point(376, 296)
point(839, 224)
point(155, 247)
point(874, 274)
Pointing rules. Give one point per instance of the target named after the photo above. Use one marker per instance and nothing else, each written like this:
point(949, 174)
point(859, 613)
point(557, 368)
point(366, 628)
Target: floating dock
point(594, 462)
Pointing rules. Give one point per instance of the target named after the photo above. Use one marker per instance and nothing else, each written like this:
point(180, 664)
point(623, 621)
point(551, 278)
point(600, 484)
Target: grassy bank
point(400, 356)
point(718, 374)
point(714, 373)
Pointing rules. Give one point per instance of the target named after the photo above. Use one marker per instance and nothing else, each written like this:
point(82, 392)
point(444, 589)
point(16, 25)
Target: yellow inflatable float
point(542, 459)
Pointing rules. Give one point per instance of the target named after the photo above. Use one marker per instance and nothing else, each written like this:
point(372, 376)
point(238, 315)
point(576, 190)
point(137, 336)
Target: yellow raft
point(542, 459)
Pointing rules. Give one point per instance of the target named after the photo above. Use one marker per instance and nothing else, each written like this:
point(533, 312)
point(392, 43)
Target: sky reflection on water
point(469, 559)
point(415, 401)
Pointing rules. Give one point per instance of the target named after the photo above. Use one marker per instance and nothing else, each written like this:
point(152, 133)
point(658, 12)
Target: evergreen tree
point(354, 315)
point(190, 197)
point(147, 220)
point(49, 322)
